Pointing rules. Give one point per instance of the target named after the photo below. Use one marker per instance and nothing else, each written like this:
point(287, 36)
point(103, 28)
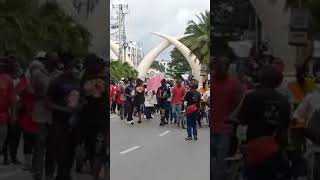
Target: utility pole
point(122, 10)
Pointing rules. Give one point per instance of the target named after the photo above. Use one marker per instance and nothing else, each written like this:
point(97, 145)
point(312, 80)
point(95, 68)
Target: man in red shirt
point(112, 96)
point(7, 96)
point(226, 94)
point(178, 93)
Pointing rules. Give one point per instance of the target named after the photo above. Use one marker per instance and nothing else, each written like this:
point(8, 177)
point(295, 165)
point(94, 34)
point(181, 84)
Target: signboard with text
point(299, 27)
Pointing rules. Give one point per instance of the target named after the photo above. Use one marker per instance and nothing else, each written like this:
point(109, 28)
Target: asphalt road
point(143, 152)
point(147, 151)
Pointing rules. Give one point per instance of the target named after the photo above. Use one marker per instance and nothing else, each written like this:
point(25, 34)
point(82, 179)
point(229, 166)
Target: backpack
point(312, 131)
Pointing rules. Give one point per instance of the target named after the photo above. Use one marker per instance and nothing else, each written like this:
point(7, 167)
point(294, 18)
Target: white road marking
point(9, 174)
point(130, 149)
point(113, 116)
point(163, 134)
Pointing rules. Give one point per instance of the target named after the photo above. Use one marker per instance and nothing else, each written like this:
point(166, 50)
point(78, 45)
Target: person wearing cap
point(163, 93)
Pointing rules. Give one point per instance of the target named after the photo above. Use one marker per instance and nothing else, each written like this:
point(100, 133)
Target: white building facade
point(134, 52)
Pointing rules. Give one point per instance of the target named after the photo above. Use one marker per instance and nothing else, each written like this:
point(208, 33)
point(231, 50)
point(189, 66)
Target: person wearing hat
point(163, 93)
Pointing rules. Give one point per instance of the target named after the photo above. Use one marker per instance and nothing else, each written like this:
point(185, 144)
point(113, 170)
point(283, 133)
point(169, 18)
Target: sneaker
point(195, 138)
point(139, 121)
point(130, 122)
point(189, 138)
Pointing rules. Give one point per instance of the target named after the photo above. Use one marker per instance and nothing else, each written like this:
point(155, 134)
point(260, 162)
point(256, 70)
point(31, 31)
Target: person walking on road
point(7, 96)
point(266, 113)
point(227, 92)
point(41, 73)
point(139, 99)
point(11, 145)
point(148, 104)
point(93, 126)
point(193, 98)
point(63, 97)
point(112, 99)
point(130, 93)
point(178, 93)
point(163, 93)
point(27, 124)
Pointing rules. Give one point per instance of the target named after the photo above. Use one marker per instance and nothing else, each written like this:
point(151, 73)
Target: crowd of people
point(266, 121)
point(57, 104)
point(182, 103)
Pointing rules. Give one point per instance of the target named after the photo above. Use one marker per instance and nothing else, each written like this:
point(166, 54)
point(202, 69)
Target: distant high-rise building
point(134, 52)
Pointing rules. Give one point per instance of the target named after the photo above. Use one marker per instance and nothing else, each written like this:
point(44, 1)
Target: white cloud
point(165, 16)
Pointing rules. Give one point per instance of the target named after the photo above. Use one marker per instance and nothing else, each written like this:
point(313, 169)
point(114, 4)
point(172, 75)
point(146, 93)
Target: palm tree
point(199, 40)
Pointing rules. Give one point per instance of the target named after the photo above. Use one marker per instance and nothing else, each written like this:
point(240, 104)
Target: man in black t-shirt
point(130, 93)
point(139, 98)
point(192, 97)
point(63, 100)
point(163, 93)
point(266, 113)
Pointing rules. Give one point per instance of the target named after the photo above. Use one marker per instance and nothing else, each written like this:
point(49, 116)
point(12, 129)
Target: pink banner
point(154, 82)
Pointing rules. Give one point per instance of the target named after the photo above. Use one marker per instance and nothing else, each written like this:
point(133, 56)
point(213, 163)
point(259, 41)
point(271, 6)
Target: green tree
point(156, 65)
point(178, 65)
point(120, 70)
point(198, 41)
point(28, 26)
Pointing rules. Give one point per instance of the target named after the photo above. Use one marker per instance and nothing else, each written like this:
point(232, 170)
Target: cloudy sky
point(165, 16)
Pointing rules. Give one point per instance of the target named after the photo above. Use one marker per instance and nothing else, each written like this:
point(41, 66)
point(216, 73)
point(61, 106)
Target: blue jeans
point(176, 112)
point(219, 146)
point(192, 124)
